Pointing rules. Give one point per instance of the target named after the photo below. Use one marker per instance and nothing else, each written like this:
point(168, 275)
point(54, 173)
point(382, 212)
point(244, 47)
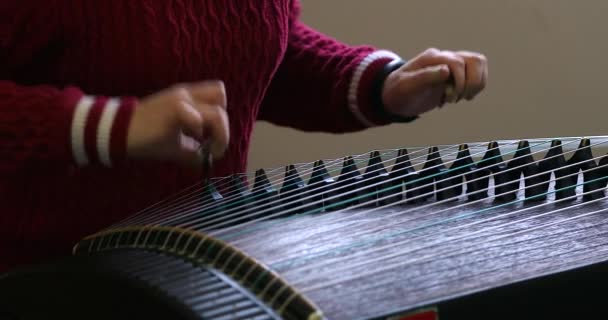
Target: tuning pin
point(292, 190)
point(380, 188)
point(320, 184)
point(263, 193)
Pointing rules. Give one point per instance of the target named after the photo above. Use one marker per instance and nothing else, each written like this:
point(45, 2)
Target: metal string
point(367, 195)
point(447, 209)
point(345, 186)
point(467, 236)
point(420, 149)
point(192, 208)
point(485, 230)
point(192, 198)
point(436, 223)
point(422, 196)
point(589, 146)
point(281, 200)
point(601, 249)
point(396, 265)
point(195, 210)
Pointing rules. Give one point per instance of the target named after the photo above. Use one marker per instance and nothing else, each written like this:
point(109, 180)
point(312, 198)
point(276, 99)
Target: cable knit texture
point(71, 73)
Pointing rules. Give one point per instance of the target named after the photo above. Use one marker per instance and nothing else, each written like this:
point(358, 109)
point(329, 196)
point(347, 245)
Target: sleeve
point(48, 126)
point(323, 84)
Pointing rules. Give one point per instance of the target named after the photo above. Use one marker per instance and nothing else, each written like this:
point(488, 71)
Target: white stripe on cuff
point(353, 89)
point(83, 107)
point(104, 130)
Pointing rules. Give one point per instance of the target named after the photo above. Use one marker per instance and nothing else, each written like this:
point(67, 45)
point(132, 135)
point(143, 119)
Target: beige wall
point(548, 70)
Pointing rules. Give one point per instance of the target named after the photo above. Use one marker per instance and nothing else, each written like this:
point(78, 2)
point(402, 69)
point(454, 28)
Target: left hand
point(423, 83)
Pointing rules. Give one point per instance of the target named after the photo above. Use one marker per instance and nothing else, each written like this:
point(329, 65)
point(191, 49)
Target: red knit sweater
point(71, 73)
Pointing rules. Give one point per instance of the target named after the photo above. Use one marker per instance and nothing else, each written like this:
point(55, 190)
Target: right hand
point(173, 123)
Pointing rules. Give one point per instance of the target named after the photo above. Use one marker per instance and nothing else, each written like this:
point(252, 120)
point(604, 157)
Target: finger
point(456, 64)
point(191, 120)
point(217, 129)
point(484, 81)
point(212, 92)
point(475, 66)
point(417, 80)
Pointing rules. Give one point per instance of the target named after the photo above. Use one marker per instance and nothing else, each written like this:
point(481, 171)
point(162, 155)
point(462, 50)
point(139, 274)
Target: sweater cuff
point(99, 128)
point(360, 90)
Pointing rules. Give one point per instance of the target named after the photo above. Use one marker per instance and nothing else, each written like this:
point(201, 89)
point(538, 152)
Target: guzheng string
point(193, 197)
point(182, 214)
point(328, 284)
point(469, 236)
point(576, 174)
point(448, 220)
point(223, 231)
point(195, 192)
point(599, 251)
point(182, 205)
point(434, 255)
point(286, 199)
point(435, 203)
point(288, 263)
point(438, 202)
point(385, 267)
point(277, 264)
point(289, 198)
point(192, 207)
point(221, 182)
point(192, 192)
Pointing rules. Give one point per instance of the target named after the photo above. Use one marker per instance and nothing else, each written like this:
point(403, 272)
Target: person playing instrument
point(104, 104)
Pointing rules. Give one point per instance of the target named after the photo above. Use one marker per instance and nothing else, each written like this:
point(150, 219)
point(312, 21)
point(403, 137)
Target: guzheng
point(491, 229)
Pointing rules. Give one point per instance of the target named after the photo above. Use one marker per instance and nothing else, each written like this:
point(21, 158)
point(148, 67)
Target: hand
point(172, 124)
point(424, 82)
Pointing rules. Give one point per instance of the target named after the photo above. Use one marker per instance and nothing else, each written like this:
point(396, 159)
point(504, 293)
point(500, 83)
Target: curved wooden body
point(460, 231)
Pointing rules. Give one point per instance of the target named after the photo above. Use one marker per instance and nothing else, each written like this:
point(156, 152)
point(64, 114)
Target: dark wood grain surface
point(361, 263)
